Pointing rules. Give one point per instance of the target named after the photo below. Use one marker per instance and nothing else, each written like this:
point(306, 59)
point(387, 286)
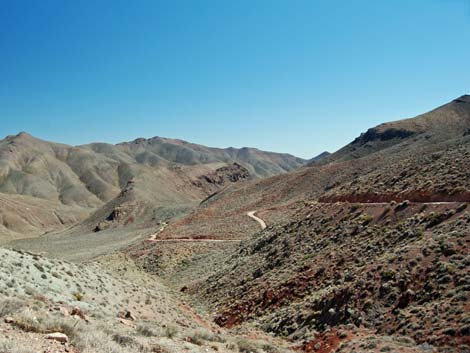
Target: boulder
point(126, 315)
point(9, 320)
point(57, 336)
point(77, 312)
point(64, 311)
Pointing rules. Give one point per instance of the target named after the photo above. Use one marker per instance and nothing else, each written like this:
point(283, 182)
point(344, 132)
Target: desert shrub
point(8, 346)
point(171, 331)
point(200, 336)
point(27, 322)
point(245, 346)
point(159, 348)
point(39, 267)
point(125, 341)
point(433, 219)
point(387, 274)
point(366, 219)
point(353, 208)
point(30, 321)
point(29, 291)
point(78, 296)
point(60, 325)
point(5, 346)
point(40, 298)
point(10, 306)
point(146, 331)
point(92, 341)
point(269, 348)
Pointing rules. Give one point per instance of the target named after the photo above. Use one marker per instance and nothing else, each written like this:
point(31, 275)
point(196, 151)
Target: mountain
point(319, 157)
point(366, 250)
point(449, 121)
point(68, 183)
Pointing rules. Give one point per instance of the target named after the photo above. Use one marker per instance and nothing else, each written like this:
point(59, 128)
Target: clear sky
point(297, 76)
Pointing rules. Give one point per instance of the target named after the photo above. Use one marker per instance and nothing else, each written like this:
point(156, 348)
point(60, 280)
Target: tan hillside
point(163, 173)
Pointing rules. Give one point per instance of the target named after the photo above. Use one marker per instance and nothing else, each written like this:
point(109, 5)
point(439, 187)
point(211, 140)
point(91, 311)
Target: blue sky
point(297, 76)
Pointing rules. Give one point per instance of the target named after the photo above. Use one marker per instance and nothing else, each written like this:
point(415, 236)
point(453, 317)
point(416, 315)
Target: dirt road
point(182, 240)
point(251, 214)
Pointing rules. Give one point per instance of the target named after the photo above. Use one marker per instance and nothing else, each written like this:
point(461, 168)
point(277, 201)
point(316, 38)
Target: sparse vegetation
point(10, 346)
point(145, 330)
point(366, 250)
point(171, 331)
point(10, 306)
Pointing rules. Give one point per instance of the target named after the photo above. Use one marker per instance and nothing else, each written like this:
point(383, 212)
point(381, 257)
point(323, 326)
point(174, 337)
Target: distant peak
point(155, 139)
point(323, 154)
point(23, 134)
point(463, 99)
point(320, 156)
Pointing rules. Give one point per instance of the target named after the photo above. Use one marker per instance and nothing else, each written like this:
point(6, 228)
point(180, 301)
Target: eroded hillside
point(72, 183)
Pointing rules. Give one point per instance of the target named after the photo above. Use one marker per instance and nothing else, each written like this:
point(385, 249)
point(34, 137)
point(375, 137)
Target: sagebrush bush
point(10, 306)
point(8, 346)
point(30, 321)
point(245, 346)
point(123, 340)
point(92, 341)
point(171, 331)
point(200, 336)
point(146, 331)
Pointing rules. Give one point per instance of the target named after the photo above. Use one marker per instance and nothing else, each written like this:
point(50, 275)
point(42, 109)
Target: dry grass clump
point(91, 341)
point(10, 306)
point(146, 331)
point(41, 322)
point(78, 296)
point(245, 346)
point(200, 337)
point(102, 340)
point(170, 331)
point(10, 346)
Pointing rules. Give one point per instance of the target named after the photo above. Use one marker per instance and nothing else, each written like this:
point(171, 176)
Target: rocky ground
point(51, 305)
point(339, 276)
point(397, 271)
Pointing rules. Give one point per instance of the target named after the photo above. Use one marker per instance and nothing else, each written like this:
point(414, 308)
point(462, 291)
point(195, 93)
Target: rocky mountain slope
point(398, 269)
point(73, 182)
point(365, 251)
point(449, 121)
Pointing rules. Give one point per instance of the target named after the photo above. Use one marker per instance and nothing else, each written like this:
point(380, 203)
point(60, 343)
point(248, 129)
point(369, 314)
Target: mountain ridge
point(86, 177)
point(450, 120)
